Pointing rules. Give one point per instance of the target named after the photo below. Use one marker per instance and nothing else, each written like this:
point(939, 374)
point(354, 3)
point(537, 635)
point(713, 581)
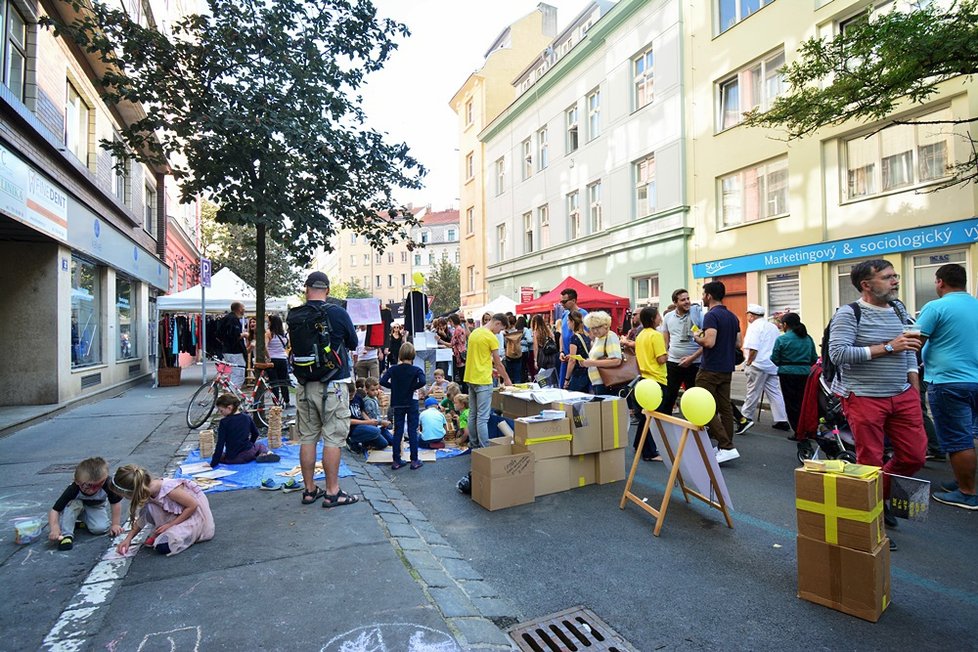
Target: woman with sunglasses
point(395, 340)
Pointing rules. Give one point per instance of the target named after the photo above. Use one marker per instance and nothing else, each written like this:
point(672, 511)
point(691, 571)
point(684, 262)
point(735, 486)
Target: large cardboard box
point(585, 425)
point(614, 423)
point(545, 450)
point(496, 402)
point(535, 430)
point(502, 477)
point(583, 470)
point(840, 509)
point(563, 473)
point(610, 466)
point(515, 407)
point(851, 581)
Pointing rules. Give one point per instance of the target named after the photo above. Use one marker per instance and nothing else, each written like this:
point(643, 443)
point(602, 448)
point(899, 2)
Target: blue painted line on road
point(777, 530)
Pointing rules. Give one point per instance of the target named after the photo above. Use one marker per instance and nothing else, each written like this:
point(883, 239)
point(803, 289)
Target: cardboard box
point(496, 402)
point(533, 430)
point(515, 407)
point(501, 441)
point(545, 450)
point(585, 425)
point(840, 509)
point(610, 466)
point(502, 477)
point(563, 473)
point(582, 470)
point(851, 581)
point(614, 423)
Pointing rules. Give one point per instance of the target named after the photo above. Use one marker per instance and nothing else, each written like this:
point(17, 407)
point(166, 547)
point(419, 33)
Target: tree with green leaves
point(444, 287)
point(260, 99)
point(888, 61)
point(349, 290)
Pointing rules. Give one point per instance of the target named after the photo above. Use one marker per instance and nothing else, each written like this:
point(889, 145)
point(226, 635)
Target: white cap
point(755, 309)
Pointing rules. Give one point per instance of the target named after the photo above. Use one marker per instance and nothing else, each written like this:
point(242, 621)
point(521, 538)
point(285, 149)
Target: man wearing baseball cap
point(762, 374)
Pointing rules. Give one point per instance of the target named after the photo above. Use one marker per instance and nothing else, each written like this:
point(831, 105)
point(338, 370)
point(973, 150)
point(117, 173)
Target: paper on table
point(197, 467)
point(214, 474)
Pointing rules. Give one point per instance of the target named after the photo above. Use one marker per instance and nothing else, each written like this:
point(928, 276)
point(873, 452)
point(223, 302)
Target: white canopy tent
point(226, 288)
point(502, 303)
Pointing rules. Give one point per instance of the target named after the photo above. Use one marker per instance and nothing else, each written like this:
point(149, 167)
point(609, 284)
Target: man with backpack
point(876, 374)
point(234, 342)
point(322, 335)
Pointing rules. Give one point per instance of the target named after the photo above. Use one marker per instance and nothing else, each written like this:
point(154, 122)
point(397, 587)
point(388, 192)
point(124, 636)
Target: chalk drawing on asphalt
point(182, 639)
point(393, 637)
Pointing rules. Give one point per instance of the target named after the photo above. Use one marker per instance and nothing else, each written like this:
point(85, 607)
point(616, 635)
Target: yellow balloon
point(418, 278)
point(648, 394)
point(698, 406)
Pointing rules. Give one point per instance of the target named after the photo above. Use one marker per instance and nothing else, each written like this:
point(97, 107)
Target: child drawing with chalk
point(176, 509)
point(86, 501)
point(237, 436)
point(404, 380)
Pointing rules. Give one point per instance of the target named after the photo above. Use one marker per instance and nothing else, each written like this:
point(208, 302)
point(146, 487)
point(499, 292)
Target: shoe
point(937, 456)
point(744, 426)
point(267, 458)
point(416, 464)
point(292, 484)
point(396, 465)
point(782, 425)
point(893, 546)
point(269, 485)
point(951, 485)
point(888, 518)
point(66, 543)
point(957, 499)
point(726, 455)
point(150, 542)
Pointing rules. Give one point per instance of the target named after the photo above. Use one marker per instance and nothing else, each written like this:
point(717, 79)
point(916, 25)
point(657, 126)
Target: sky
point(409, 98)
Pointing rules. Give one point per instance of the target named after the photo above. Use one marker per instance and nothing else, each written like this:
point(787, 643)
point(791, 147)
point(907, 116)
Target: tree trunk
point(260, 290)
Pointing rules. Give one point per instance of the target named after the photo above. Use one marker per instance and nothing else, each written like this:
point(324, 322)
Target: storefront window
point(86, 313)
point(847, 293)
point(125, 318)
point(924, 267)
point(783, 293)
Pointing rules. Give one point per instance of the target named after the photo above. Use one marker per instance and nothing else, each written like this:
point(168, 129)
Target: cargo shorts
point(323, 412)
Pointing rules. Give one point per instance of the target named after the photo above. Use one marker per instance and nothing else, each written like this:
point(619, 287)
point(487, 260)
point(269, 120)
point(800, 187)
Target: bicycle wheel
point(201, 405)
point(264, 399)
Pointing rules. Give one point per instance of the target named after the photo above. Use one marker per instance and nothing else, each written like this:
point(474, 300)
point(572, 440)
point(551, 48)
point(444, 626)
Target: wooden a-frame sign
point(705, 457)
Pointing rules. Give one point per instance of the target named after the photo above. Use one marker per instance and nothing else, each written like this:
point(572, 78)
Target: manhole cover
point(67, 467)
point(568, 631)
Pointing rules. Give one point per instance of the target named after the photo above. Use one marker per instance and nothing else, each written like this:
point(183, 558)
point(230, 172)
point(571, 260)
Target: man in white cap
point(762, 374)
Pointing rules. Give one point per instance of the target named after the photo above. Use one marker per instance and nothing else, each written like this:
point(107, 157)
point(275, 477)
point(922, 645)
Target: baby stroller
point(829, 436)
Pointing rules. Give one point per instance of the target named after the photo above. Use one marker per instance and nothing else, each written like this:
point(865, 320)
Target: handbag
point(623, 374)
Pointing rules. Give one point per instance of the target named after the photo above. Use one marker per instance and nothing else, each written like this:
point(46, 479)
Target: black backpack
point(829, 369)
point(549, 355)
point(315, 356)
point(225, 334)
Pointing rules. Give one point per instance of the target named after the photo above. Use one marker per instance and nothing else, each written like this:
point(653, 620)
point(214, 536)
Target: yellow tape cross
point(615, 419)
point(830, 509)
point(544, 440)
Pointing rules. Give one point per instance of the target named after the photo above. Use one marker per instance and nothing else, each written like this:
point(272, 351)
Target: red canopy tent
point(587, 298)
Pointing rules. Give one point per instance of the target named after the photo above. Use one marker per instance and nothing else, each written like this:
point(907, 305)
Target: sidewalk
point(277, 575)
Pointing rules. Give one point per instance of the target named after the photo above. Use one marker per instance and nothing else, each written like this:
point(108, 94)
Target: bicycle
point(257, 404)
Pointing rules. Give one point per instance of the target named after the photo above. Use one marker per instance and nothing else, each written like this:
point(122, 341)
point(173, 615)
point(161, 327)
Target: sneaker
point(66, 543)
point(416, 464)
point(957, 499)
point(949, 486)
point(935, 455)
point(782, 425)
point(893, 546)
point(744, 426)
point(292, 484)
point(269, 485)
point(724, 455)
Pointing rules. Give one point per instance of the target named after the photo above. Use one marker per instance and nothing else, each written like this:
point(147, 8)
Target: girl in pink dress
point(176, 509)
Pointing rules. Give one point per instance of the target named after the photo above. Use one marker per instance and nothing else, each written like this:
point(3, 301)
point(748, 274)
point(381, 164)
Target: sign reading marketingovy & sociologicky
point(871, 246)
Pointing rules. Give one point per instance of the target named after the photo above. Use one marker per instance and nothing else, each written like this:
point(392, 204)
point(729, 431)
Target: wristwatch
point(888, 347)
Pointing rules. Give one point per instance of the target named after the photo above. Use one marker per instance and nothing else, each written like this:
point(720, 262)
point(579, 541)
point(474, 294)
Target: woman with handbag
point(651, 354)
point(545, 351)
point(576, 378)
point(605, 355)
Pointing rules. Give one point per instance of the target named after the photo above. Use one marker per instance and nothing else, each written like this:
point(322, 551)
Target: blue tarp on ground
point(250, 475)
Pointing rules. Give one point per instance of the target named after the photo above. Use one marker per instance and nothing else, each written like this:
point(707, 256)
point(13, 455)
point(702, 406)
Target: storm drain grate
point(568, 631)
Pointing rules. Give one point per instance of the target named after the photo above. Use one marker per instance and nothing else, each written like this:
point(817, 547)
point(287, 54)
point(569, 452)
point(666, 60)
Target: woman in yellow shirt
point(651, 354)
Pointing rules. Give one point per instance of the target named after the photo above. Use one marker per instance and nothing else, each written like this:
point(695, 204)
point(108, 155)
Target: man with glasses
point(877, 377)
point(568, 299)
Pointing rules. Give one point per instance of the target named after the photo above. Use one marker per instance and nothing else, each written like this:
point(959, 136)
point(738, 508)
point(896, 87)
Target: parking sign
point(205, 272)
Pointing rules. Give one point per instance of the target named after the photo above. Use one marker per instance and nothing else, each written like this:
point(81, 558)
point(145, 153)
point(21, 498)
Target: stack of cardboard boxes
point(843, 552)
point(585, 446)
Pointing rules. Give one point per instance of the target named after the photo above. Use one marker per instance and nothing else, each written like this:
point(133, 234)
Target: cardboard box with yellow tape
point(840, 504)
point(544, 438)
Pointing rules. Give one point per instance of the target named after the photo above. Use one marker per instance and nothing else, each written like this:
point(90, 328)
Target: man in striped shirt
point(877, 377)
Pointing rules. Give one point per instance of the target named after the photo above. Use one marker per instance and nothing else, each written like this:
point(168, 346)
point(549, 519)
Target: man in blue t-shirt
point(568, 299)
point(720, 338)
point(948, 326)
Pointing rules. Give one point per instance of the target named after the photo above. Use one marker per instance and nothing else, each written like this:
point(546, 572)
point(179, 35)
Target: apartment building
point(782, 223)
point(585, 170)
point(483, 95)
point(440, 236)
point(82, 244)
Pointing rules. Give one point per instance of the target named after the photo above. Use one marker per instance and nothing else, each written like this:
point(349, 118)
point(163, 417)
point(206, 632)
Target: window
point(754, 87)
point(647, 290)
point(783, 292)
point(574, 215)
point(149, 202)
point(500, 242)
point(543, 222)
point(403, 280)
point(645, 186)
point(528, 232)
point(86, 313)
point(425, 237)
point(543, 158)
point(500, 176)
point(417, 259)
point(353, 261)
point(469, 114)
point(458, 257)
point(444, 256)
point(470, 278)
point(900, 156)
point(390, 280)
point(924, 267)
point(527, 158)
point(431, 258)
point(76, 125)
point(594, 207)
point(470, 219)
point(125, 318)
point(404, 256)
point(731, 12)
point(366, 259)
point(642, 69)
point(451, 235)
point(14, 49)
point(378, 281)
point(754, 193)
point(593, 115)
point(390, 257)
point(353, 238)
point(469, 166)
point(120, 176)
point(378, 258)
point(366, 281)
point(570, 118)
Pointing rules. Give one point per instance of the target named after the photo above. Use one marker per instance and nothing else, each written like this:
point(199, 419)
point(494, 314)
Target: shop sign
point(873, 246)
point(28, 197)
point(526, 294)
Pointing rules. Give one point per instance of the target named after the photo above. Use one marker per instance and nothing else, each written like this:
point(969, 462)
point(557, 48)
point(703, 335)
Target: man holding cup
point(948, 326)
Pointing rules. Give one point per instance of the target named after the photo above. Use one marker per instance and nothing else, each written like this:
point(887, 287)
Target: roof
point(587, 297)
point(435, 218)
